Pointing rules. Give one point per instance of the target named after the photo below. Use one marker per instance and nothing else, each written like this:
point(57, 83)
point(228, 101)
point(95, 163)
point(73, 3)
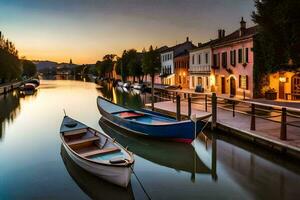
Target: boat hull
point(183, 131)
point(116, 175)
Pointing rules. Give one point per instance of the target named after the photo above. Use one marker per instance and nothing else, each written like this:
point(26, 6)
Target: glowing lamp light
point(282, 79)
point(212, 80)
point(183, 73)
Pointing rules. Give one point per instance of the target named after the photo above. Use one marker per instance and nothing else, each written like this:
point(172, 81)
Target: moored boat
point(96, 152)
point(28, 87)
point(149, 123)
point(34, 81)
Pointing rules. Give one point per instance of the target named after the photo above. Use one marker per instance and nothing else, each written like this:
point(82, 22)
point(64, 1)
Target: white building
point(167, 60)
point(167, 67)
point(200, 66)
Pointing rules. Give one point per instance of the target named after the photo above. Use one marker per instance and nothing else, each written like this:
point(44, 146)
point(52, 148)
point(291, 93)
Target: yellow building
point(286, 84)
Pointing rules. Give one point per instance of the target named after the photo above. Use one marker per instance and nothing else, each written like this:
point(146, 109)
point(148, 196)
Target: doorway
point(223, 84)
point(232, 87)
point(296, 87)
point(281, 90)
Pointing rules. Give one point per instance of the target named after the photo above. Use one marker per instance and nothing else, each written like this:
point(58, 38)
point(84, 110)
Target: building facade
point(232, 62)
point(181, 68)
point(167, 61)
point(200, 67)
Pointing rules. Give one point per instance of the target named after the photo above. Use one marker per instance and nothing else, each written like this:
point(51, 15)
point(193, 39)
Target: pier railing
point(286, 117)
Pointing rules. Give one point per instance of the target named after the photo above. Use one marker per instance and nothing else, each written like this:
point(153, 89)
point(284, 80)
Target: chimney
point(242, 27)
point(187, 39)
point(199, 44)
point(220, 33)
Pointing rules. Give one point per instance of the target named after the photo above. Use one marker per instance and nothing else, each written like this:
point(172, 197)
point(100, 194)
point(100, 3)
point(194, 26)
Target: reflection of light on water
point(114, 95)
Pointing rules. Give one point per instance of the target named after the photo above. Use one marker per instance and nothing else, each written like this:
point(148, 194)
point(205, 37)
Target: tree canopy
point(29, 68)
point(10, 65)
point(279, 32)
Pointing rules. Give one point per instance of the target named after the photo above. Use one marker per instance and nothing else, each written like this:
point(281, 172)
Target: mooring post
point(178, 117)
point(189, 105)
point(206, 103)
point(233, 109)
point(283, 124)
point(252, 117)
point(214, 111)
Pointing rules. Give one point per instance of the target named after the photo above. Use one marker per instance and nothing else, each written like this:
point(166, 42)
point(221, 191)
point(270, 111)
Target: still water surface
point(34, 166)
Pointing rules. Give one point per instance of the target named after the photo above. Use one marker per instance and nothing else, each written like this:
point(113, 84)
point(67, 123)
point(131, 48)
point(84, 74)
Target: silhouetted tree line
point(11, 67)
point(131, 63)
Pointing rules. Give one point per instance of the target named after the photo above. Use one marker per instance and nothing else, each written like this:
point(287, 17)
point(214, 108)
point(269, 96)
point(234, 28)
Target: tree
point(107, 64)
point(10, 65)
point(134, 64)
point(278, 40)
point(279, 30)
point(29, 68)
point(151, 65)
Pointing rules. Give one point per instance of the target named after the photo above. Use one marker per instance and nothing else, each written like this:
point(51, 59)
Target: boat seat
point(126, 115)
point(75, 132)
point(81, 141)
point(100, 151)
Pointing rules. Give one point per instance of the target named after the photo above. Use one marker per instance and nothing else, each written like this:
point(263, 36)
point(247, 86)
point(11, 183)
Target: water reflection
point(178, 156)
point(126, 97)
point(9, 109)
point(94, 187)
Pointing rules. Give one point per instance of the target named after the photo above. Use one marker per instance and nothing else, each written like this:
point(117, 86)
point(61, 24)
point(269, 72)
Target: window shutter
point(247, 84)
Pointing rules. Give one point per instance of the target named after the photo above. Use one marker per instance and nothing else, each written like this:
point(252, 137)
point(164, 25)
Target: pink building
point(232, 60)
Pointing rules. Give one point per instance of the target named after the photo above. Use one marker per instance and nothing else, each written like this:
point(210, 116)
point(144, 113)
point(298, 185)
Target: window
point(240, 55)
point(193, 81)
point(199, 80)
point(215, 60)
point(233, 58)
point(243, 82)
point(224, 59)
point(199, 59)
point(247, 56)
point(179, 79)
point(193, 59)
point(206, 58)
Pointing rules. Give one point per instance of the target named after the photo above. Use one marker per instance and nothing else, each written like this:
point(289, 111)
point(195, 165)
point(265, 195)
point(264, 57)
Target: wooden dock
point(272, 126)
point(5, 88)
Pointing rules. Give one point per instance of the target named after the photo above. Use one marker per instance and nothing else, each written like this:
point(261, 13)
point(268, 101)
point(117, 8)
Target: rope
point(140, 183)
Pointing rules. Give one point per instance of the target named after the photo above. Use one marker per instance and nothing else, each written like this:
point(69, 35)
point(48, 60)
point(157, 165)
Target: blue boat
point(148, 123)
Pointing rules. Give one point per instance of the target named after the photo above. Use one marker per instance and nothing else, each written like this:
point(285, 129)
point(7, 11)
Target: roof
point(204, 45)
point(185, 53)
point(177, 46)
point(235, 36)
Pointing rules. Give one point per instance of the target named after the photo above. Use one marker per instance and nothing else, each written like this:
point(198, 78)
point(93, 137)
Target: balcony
point(200, 69)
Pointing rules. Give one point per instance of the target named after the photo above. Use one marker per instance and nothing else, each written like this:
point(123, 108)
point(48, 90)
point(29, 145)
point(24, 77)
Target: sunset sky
point(85, 30)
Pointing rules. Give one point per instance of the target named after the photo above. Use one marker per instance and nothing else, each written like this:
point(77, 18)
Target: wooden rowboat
point(149, 123)
point(96, 152)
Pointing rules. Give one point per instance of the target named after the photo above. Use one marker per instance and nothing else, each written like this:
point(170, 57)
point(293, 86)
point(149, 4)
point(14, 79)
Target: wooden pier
point(5, 88)
point(276, 127)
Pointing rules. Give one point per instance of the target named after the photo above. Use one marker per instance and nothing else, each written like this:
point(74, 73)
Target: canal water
point(216, 166)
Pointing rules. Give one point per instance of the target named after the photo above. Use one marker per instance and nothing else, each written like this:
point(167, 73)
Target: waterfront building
point(167, 60)
point(232, 62)
point(286, 82)
point(200, 66)
point(181, 67)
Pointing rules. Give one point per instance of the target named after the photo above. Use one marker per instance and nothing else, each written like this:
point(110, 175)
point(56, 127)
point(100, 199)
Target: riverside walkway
point(235, 117)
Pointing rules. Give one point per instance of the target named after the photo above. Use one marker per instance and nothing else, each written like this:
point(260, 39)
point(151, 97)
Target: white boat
point(96, 152)
point(138, 86)
point(120, 84)
point(127, 85)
